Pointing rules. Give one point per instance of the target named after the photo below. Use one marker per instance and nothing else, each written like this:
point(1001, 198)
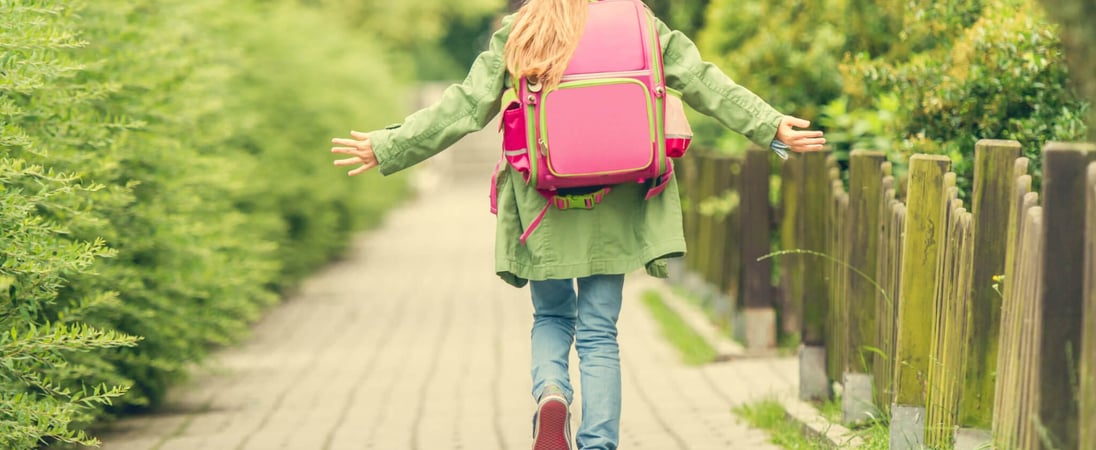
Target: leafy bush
point(1079, 41)
point(162, 178)
point(786, 51)
point(918, 76)
point(684, 15)
point(1003, 77)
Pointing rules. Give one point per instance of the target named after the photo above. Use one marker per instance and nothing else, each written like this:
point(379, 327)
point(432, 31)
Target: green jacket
point(621, 234)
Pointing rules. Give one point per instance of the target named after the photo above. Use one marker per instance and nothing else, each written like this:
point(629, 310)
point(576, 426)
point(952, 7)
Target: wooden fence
point(963, 323)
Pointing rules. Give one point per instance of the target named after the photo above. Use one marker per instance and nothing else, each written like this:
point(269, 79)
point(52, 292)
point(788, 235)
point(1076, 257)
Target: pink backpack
point(605, 124)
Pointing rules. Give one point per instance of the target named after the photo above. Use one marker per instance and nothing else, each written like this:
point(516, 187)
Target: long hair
point(543, 38)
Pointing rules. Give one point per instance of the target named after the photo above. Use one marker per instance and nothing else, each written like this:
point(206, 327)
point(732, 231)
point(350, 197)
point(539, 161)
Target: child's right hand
point(799, 140)
point(361, 150)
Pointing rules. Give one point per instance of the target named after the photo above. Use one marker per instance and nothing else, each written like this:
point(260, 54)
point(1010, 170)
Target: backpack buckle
point(583, 201)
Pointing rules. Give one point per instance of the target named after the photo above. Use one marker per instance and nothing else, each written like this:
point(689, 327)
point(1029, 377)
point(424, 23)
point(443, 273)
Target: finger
point(347, 142)
point(360, 170)
point(359, 135)
point(345, 150)
point(812, 141)
point(348, 162)
point(807, 148)
point(805, 134)
point(797, 122)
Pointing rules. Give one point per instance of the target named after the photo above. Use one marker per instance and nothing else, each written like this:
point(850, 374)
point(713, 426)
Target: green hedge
point(163, 176)
point(902, 76)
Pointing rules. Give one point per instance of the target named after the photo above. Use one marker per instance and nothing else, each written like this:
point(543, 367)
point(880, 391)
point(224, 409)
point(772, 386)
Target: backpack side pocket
point(514, 144)
point(678, 132)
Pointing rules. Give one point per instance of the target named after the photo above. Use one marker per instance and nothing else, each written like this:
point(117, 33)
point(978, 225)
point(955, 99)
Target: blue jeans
point(589, 320)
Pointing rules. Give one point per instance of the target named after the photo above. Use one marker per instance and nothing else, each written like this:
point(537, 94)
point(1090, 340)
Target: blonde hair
point(543, 38)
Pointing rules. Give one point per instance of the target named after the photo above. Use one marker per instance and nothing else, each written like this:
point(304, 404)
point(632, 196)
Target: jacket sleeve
point(463, 108)
point(707, 89)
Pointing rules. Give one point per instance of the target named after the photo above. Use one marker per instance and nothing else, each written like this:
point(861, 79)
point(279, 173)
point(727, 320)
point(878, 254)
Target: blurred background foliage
point(899, 76)
point(164, 178)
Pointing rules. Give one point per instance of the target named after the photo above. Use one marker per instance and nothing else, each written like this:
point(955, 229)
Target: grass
point(693, 348)
point(769, 415)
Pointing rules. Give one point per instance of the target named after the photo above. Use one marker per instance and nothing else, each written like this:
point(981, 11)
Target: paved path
point(412, 342)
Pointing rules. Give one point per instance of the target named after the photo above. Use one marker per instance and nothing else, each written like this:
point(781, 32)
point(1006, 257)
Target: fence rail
point(962, 322)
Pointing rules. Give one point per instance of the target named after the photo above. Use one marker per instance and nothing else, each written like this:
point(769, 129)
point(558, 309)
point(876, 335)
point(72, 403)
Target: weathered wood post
point(814, 381)
point(924, 237)
point(1024, 296)
point(717, 235)
point(760, 316)
point(837, 273)
point(889, 274)
point(791, 226)
point(705, 171)
point(1064, 167)
point(677, 266)
point(724, 239)
point(732, 247)
point(865, 198)
point(1005, 419)
point(994, 163)
point(689, 169)
point(949, 323)
point(1088, 360)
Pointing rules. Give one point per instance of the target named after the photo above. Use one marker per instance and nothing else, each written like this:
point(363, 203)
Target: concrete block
point(856, 403)
point(760, 328)
point(813, 382)
point(907, 427)
point(973, 439)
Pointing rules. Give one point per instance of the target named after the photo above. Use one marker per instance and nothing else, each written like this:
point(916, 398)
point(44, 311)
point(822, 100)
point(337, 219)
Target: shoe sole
point(552, 424)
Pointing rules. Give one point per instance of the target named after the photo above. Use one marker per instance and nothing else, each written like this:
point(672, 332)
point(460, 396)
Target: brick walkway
point(412, 342)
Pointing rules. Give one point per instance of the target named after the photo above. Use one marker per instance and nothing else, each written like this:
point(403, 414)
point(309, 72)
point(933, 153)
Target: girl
point(591, 248)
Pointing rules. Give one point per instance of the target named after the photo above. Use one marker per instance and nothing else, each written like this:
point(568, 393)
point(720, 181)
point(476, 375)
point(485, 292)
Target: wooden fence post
point(757, 290)
point(949, 322)
point(1006, 407)
point(865, 198)
point(814, 380)
point(837, 319)
point(678, 267)
point(717, 235)
point(732, 249)
point(994, 162)
point(1088, 360)
point(924, 236)
point(888, 275)
point(1064, 168)
point(724, 240)
point(705, 192)
point(1025, 293)
point(791, 227)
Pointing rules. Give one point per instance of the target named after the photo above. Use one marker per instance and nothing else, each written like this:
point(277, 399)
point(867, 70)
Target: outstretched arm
point(708, 90)
point(463, 108)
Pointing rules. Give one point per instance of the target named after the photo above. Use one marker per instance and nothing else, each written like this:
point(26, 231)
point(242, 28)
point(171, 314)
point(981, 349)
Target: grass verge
point(693, 348)
point(769, 415)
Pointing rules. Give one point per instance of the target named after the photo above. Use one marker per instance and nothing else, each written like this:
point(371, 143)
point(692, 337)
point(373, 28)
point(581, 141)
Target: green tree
point(1078, 34)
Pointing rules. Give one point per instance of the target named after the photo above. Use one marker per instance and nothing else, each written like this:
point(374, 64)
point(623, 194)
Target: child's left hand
point(799, 140)
point(360, 148)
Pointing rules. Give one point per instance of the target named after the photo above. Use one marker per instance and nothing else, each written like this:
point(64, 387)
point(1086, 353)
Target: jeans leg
point(554, 311)
point(599, 299)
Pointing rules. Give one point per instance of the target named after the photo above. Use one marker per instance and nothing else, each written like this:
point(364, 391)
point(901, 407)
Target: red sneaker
point(552, 424)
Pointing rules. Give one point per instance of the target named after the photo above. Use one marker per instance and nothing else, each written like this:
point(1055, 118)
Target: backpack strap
point(564, 202)
point(659, 184)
